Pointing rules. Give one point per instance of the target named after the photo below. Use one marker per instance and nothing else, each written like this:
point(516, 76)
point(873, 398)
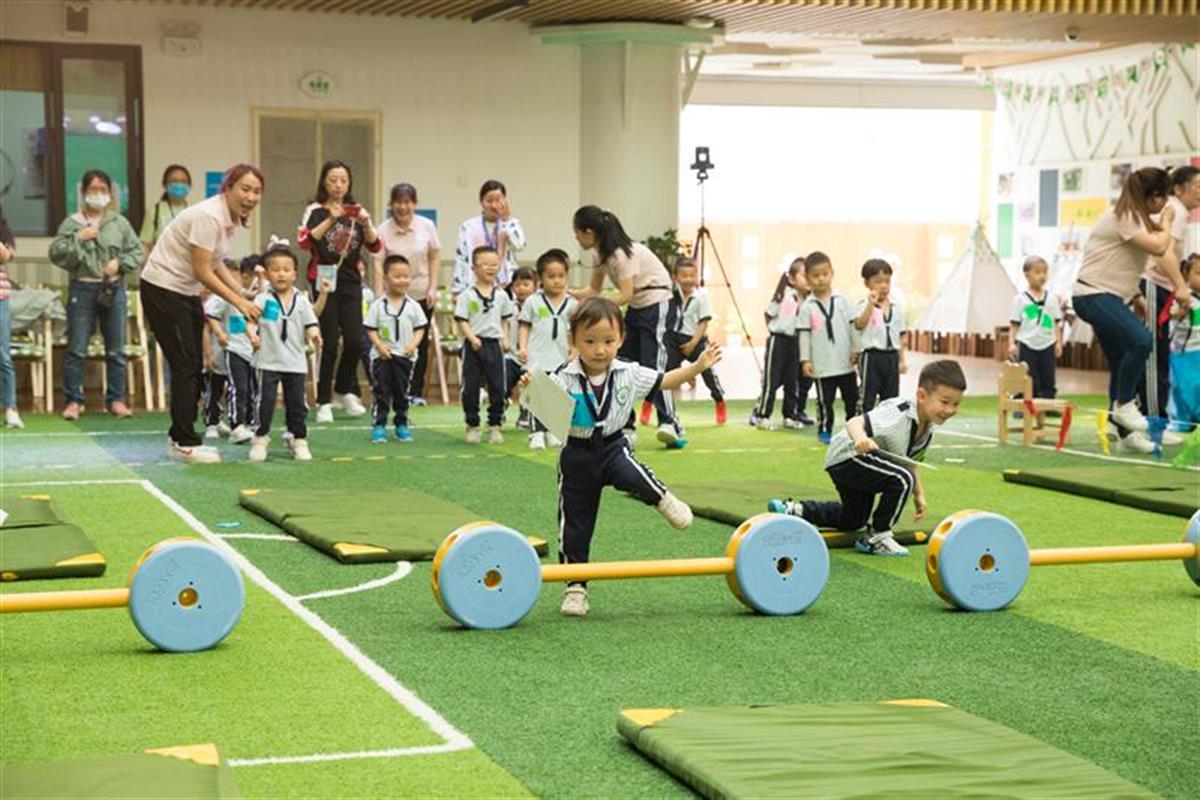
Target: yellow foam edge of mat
point(251, 492)
point(648, 716)
point(916, 702)
point(351, 549)
point(203, 754)
point(90, 558)
point(536, 542)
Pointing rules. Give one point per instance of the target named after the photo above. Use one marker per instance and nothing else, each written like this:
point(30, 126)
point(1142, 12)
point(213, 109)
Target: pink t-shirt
point(414, 243)
point(207, 225)
point(651, 281)
point(1112, 263)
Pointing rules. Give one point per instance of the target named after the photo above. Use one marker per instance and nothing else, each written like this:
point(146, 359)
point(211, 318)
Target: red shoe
point(72, 411)
point(721, 414)
point(119, 410)
point(647, 408)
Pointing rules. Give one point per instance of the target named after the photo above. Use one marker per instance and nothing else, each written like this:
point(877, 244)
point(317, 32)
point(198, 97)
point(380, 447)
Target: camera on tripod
point(702, 164)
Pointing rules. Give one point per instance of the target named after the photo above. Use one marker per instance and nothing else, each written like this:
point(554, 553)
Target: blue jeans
point(8, 373)
point(82, 313)
point(1123, 338)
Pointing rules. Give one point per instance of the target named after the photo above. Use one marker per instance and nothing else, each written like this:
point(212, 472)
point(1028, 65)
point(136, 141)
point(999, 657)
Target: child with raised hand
point(278, 337)
point(1034, 332)
point(782, 356)
point(827, 354)
point(228, 326)
point(544, 329)
point(860, 461)
point(606, 389)
point(395, 325)
point(689, 338)
point(483, 312)
point(524, 283)
point(879, 322)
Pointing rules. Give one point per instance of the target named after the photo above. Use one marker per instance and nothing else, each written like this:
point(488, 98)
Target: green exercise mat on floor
point(902, 750)
point(733, 502)
point(35, 543)
point(364, 526)
point(196, 772)
point(27, 511)
point(1163, 489)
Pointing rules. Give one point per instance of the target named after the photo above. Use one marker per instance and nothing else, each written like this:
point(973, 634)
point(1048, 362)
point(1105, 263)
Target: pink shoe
point(119, 410)
point(72, 411)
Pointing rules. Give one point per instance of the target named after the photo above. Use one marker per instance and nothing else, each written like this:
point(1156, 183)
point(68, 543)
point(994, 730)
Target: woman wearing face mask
point(97, 246)
point(177, 184)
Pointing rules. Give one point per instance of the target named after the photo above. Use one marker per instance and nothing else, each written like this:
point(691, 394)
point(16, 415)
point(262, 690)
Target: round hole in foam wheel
point(980, 560)
point(487, 576)
point(781, 564)
point(186, 596)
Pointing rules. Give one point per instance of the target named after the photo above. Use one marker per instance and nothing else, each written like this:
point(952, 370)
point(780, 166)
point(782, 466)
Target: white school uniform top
point(234, 325)
point(826, 334)
point(396, 325)
point(693, 310)
point(1036, 319)
point(514, 328)
point(893, 425)
point(605, 407)
point(281, 332)
point(484, 313)
point(549, 330)
point(207, 225)
point(782, 314)
point(414, 243)
point(211, 305)
point(1185, 332)
point(477, 232)
point(884, 329)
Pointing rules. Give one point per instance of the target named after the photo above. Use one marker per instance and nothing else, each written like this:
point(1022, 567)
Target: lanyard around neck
point(490, 239)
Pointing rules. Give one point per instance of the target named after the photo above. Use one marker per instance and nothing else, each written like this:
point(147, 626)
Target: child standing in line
point(278, 337)
point(880, 326)
point(1185, 350)
point(228, 326)
point(689, 339)
point(827, 343)
point(857, 461)
point(782, 355)
point(597, 454)
point(395, 324)
point(1034, 333)
point(483, 312)
point(544, 329)
point(216, 374)
point(524, 283)
point(804, 383)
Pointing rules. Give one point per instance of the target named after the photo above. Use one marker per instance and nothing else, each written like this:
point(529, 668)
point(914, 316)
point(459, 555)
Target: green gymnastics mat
point(905, 749)
point(733, 502)
point(1167, 491)
point(35, 543)
point(197, 772)
point(360, 527)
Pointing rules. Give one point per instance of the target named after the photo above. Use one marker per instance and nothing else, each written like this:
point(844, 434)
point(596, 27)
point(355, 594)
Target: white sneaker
point(1137, 442)
point(324, 413)
point(574, 602)
point(240, 435)
point(793, 508)
point(258, 448)
point(552, 440)
point(223, 428)
point(675, 511)
point(667, 435)
point(880, 544)
point(12, 418)
point(472, 435)
point(793, 423)
point(199, 454)
point(1129, 416)
point(352, 405)
point(766, 425)
point(537, 441)
point(300, 450)
point(211, 432)
point(495, 436)
point(1170, 438)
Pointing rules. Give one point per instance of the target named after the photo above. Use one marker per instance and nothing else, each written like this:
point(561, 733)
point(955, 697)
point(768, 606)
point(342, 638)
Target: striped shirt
point(549, 330)
point(826, 334)
point(1036, 319)
point(781, 314)
point(477, 232)
point(884, 329)
point(605, 406)
point(693, 310)
point(484, 313)
point(893, 425)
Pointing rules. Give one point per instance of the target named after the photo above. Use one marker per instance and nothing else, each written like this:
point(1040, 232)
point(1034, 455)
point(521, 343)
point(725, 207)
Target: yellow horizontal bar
point(1096, 555)
point(612, 570)
point(18, 603)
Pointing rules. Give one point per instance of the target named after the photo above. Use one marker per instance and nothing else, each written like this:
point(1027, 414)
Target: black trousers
point(178, 321)
point(295, 404)
point(585, 467)
point(390, 379)
point(243, 386)
point(676, 357)
point(214, 393)
point(803, 386)
point(512, 372)
point(645, 342)
point(1041, 369)
point(827, 389)
point(1158, 366)
point(483, 369)
point(341, 321)
point(417, 384)
point(782, 369)
point(858, 481)
point(879, 371)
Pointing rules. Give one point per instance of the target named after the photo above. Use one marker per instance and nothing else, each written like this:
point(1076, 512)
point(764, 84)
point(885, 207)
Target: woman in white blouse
point(494, 227)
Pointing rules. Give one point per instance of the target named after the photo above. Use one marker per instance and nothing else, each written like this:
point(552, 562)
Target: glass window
point(24, 140)
point(95, 126)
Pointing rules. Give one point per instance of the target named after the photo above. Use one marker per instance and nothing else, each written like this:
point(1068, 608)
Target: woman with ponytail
point(1114, 258)
point(644, 286)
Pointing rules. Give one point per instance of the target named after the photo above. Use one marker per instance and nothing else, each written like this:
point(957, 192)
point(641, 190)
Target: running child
point(544, 330)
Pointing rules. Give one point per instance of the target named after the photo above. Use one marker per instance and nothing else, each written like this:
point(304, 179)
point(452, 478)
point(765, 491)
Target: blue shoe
point(824, 438)
point(402, 434)
point(776, 506)
point(379, 434)
point(792, 508)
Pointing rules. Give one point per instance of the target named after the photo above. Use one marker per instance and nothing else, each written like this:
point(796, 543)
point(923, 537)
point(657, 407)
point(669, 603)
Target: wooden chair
point(448, 343)
point(34, 347)
point(1014, 379)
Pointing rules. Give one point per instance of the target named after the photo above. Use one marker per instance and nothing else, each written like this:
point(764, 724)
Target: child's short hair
point(395, 258)
point(815, 259)
point(250, 263)
point(279, 248)
point(483, 248)
point(942, 373)
point(595, 310)
point(554, 255)
point(875, 266)
point(1033, 261)
point(524, 274)
point(684, 262)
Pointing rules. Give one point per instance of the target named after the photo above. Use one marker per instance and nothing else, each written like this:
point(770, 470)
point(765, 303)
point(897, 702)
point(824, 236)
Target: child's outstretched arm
point(677, 377)
point(856, 427)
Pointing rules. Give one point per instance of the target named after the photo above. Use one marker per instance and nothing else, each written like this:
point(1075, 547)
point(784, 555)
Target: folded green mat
point(26, 511)
point(1167, 491)
point(196, 772)
point(903, 750)
point(35, 544)
point(364, 526)
point(734, 501)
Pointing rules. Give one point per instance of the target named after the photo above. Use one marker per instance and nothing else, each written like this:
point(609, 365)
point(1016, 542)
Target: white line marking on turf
point(271, 537)
point(1142, 462)
point(403, 568)
point(433, 749)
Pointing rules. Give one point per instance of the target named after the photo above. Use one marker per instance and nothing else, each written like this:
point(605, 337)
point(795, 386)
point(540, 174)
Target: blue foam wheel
point(186, 596)
point(1192, 565)
point(978, 561)
point(486, 576)
point(781, 564)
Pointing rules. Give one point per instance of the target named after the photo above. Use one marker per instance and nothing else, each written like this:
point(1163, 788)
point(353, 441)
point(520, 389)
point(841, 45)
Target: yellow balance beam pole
point(1095, 555)
point(63, 601)
point(615, 570)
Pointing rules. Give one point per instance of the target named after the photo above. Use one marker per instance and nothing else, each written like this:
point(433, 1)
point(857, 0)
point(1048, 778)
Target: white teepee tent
point(976, 298)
